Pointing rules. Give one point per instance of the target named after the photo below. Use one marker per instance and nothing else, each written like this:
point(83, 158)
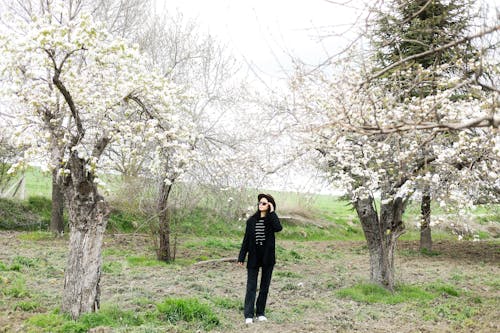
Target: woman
point(260, 245)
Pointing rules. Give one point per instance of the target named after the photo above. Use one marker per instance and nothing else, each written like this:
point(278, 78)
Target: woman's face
point(263, 205)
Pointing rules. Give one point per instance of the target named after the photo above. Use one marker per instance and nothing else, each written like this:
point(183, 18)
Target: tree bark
point(164, 250)
point(425, 227)
point(88, 214)
point(381, 235)
point(57, 217)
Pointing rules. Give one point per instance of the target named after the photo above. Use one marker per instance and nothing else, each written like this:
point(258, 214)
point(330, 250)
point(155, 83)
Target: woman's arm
point(244, 247)
point(275, 222)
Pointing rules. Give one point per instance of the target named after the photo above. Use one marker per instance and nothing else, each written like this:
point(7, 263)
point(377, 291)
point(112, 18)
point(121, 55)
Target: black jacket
point(248, 245)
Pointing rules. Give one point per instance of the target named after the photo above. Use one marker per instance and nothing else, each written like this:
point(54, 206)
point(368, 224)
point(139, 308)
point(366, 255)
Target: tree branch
point(484, 121)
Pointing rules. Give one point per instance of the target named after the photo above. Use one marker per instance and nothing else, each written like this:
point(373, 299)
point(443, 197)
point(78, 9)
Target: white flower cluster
point(343, 109)
point(108, 93)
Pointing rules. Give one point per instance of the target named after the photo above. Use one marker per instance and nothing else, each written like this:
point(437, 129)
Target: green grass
point(15, 288)
point(288, 255)
point(27, 306)
point(19, 215)
point(142, 261)
point(415, 253)
point(112, 267)
point(227, 303)
point(110, 316)
point(412, 235)
point(314, 233)
point(333, 209)
point(443, 288)
point(453, 311)
point(287, 274)
point(122, 221)
point(36, 236)
point(214, 244)
point(190, 310)
point(435, 301)
point(46, 322)
point(38, 183)
point(372, 293)
point(338, 218)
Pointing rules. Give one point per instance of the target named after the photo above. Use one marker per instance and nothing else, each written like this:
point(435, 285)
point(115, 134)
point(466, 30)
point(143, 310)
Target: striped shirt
point(260, 235)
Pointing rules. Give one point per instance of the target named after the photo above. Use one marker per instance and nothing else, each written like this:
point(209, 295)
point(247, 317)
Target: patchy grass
point(371, 293)
point(110, 316)
point(190, 310)
point(138, 261)
point(315, 288)
point(36, 236)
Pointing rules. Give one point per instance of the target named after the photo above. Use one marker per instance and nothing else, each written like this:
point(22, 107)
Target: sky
point(266, 33)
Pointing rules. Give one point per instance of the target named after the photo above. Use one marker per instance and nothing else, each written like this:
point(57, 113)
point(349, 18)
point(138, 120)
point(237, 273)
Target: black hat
point(268, 197)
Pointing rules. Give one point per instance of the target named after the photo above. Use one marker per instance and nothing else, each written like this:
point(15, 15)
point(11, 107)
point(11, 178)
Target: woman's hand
point(271, 207)
point(240, 263)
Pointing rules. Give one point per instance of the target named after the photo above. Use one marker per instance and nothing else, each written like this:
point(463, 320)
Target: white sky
point(266, 32)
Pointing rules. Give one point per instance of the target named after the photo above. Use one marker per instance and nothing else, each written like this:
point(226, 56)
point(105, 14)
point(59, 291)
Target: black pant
point(265, 281)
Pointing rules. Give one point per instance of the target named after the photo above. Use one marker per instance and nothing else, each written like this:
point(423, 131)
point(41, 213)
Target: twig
point(214, 261)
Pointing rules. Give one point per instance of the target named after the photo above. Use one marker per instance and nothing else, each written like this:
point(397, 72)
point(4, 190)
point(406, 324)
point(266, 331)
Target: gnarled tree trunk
point(57, 216)
point(88, 214)
point(425, 226)
point(381, 234)
point(164, 250)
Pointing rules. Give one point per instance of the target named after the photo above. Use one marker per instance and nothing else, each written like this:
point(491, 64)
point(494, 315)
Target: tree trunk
point(381, 235)
point(88, 214)
point(57, 219)
point(164, 250)
point(425, 227)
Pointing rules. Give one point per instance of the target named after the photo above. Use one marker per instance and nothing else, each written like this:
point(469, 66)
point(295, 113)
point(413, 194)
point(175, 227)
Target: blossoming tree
point(387, 166)
point(97, 84)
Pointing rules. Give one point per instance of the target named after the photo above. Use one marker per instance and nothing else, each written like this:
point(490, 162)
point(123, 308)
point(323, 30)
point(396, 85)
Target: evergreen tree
point(408, 28)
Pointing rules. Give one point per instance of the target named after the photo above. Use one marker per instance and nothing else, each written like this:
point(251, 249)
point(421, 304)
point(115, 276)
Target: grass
point(38, 183)
point(338, 218)
point(435, 301)
point(143, 261)
point(203, 234)
point(27, 306)
point(210, 297)
point(287, 274)
point(190, 310)
point(227, 303)
point(372, 293)
point(20, 215)
point(172, 311)
point(37, 236)
point(214, 244)
point(15, 288)
point(110, 316)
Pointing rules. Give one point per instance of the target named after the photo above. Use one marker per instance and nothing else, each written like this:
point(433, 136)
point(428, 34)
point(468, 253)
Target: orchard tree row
point(91, 86)
point(409, 111)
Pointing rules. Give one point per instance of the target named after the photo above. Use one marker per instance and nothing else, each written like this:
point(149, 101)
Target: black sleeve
point(275, 222)
point(244, 246)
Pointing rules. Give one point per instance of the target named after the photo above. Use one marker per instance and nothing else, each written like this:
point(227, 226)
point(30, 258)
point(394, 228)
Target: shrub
point(16, 215)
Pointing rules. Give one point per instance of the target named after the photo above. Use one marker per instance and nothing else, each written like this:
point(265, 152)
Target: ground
point(304, 290)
